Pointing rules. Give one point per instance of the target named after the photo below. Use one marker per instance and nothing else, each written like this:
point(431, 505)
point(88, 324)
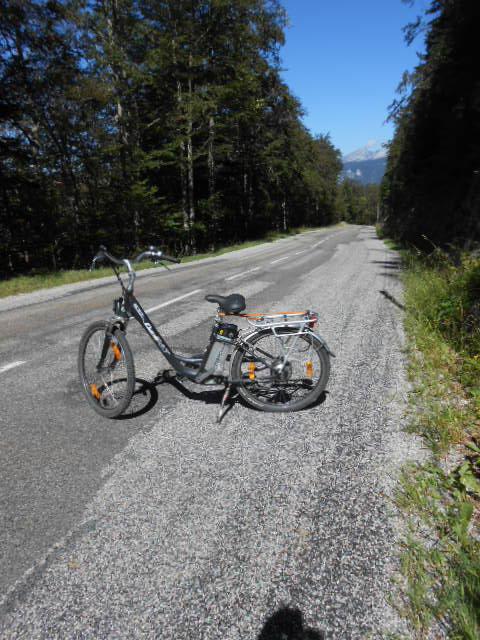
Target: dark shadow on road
point(392, 299)
point(395, 265)
point(391, 268)
point(207, 396)
point(144, 398)
point(146, 395)
point(214, 396)
point(287, 624)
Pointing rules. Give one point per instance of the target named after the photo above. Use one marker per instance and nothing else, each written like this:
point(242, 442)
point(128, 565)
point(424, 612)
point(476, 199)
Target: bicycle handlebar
point(153, 252)
point(103, 253)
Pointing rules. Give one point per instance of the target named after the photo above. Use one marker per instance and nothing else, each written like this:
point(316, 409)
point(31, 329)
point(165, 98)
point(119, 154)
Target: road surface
point(167, 525)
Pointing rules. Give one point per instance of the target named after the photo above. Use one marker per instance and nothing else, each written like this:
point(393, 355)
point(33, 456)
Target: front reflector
point(117, 354)
point(94, 391)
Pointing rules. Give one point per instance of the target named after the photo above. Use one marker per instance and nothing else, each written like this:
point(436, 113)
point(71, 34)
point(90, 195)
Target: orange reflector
point(309, 368)
point(117, 354)
point(251, 370)
point(94, 391)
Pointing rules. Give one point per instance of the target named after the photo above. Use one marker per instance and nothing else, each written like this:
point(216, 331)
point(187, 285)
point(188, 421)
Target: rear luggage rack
point(295, 319)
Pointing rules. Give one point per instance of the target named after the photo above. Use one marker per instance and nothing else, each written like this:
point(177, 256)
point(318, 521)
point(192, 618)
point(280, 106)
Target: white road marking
point(244, 273)
point(325, 239)
point(299, 252)
point(279, 260)
point(165, 304)
point(12, 365)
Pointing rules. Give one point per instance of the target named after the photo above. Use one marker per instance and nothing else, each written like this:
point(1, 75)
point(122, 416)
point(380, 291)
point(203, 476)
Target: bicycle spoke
point(111, 379)
point(289, 372)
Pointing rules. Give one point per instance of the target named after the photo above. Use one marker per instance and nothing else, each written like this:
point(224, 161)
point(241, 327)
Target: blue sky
point(344, 59)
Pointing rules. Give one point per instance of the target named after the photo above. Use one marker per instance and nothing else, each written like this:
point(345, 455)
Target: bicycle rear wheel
point(282, 371)
point(108, 382)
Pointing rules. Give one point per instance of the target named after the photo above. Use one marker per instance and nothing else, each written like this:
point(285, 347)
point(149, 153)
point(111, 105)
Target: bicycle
point(280, 365)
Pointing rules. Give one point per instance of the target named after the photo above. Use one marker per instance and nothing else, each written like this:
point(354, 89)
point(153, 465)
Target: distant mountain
point(366, 165)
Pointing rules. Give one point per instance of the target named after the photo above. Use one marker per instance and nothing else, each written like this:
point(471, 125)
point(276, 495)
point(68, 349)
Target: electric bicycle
point(278, 364)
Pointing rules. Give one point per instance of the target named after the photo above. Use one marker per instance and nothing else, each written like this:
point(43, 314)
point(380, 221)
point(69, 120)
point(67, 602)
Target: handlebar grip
point(98, 257)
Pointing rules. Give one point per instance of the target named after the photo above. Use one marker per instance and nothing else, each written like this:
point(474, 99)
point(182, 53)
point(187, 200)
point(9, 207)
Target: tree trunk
point(183, 181)
point(190, 174)
point(284, 214)
point(245, 203)
point(211, 158)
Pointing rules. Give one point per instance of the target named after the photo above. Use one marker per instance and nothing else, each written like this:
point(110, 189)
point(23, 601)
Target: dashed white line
point(244, 273)
point(299, 252)
point(279, 259)
point(325, 239)
point(165, 304)
point(11, 365)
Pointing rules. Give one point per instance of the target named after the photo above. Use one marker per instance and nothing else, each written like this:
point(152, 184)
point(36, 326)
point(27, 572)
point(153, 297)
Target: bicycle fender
point(324, 344)
point(317, 336)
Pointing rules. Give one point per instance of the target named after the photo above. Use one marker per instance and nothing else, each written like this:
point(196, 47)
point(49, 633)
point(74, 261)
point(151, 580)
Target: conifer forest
point(134, 122)
point(168, 122)
point(431, 190)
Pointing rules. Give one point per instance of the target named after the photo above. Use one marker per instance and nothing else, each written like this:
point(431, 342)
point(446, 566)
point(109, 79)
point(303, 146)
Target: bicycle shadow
point(214, 396)
point(207, 396)
point(146, 396)
point(287, 624)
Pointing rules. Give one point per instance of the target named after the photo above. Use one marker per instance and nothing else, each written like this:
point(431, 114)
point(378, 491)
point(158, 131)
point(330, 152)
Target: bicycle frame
point(129, 307)
point(193, 367)
point(227, 344)
point(134, 309)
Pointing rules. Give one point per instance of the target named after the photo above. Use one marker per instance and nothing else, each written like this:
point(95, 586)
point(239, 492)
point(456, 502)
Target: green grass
point(34, 282)
point(441, 560)
point(441, 557)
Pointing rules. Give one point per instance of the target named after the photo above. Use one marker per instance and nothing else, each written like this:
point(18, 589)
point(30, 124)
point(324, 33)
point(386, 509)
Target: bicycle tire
point(246, 387)
point(108, 398)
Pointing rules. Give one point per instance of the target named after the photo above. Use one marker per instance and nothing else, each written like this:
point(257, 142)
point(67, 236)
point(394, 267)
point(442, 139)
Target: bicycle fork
point(108, 343)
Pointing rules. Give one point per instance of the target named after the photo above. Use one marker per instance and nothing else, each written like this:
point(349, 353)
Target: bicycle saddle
point(234, 303)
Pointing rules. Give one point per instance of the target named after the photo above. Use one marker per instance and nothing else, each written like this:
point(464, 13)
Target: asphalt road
point(167, 525)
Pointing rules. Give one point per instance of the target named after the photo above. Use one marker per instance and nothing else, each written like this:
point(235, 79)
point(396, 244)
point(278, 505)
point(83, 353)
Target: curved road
point(167, 525)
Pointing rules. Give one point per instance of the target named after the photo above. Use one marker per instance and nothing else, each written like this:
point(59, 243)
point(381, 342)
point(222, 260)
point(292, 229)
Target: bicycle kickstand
point(223, 409)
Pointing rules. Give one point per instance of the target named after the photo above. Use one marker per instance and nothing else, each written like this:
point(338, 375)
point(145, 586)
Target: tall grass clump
point(442, 298)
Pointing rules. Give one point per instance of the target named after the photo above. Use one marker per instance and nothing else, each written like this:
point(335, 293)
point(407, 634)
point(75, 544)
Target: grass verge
point(441, 555)
point(36, 281)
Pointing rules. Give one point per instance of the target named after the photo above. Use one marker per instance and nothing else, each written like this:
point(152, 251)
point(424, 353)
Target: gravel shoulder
point(204, 531)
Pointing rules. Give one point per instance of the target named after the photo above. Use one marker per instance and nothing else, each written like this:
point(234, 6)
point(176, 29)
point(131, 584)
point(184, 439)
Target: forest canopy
point(130, 122)
point(431, 189)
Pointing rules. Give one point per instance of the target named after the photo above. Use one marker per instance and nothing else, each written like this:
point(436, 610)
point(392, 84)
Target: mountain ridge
point(365, 165)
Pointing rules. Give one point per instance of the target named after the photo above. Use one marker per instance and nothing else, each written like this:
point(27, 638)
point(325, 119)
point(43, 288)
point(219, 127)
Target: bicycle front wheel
point(106, 368)
point(281, 371)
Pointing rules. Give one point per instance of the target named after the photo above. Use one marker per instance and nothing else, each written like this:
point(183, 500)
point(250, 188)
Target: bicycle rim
point(108, 386)
point(285, 372)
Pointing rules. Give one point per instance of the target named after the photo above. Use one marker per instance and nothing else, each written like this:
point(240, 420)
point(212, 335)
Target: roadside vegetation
point(48, 279)
point(441, 553)
point(430, 207)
